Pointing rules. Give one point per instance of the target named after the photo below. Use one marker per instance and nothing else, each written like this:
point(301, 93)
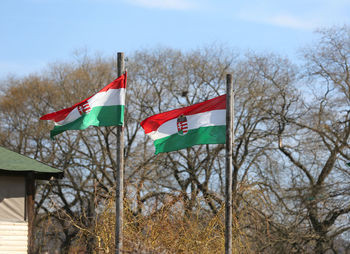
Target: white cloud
point(282, 20)
point(165, 4)
point(306, 15)
point(286, 20)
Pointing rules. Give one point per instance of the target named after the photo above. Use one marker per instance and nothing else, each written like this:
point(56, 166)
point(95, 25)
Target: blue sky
point(35, 33)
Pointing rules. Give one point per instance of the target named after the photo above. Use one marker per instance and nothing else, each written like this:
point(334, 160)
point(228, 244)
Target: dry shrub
point(105, 228)
point(169, 230)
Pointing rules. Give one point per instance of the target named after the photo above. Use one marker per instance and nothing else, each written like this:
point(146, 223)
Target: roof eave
point(37, 175)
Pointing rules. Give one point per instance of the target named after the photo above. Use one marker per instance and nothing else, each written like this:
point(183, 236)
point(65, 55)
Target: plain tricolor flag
point(105, 108)
point(201, 123)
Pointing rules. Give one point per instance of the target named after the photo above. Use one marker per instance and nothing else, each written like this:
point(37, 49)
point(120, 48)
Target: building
point(18, 175)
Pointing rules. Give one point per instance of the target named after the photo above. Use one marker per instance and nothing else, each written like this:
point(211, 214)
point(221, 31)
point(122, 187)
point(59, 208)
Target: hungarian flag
point(202, 123)
point(105, 108)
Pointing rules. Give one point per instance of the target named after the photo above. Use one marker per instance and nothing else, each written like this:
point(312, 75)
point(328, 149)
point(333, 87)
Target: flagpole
point(119, 192)
point(228, 176)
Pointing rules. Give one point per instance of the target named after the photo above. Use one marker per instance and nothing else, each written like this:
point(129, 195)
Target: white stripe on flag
point(109, 98)
point(205, 119)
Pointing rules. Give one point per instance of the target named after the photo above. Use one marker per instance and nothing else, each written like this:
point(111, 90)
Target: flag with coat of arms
point(201, 123)
point(105, 108)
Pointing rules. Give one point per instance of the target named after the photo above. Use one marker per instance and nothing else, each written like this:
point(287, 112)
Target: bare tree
point(312, 136)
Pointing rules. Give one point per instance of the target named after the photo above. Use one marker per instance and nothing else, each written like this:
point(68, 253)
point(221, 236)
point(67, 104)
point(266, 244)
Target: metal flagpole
point(228, 176)
point(119, 192)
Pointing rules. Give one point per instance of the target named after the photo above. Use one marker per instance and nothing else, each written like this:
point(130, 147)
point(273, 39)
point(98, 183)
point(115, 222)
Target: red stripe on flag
point(63, 113)
point(152, 123)
point(116, 84)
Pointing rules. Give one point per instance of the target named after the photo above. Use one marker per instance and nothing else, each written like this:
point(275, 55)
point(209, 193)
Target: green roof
point(17, 163)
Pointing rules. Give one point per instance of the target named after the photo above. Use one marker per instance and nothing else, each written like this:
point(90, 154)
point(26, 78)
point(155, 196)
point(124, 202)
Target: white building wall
point(13, 237)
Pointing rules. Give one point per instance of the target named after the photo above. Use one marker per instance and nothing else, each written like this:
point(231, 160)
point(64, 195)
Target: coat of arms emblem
point(84, 108)
point(182, 126)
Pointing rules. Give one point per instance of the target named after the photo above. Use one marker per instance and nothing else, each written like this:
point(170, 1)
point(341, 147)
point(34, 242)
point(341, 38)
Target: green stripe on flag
point(98, 116)
point(200, 136)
